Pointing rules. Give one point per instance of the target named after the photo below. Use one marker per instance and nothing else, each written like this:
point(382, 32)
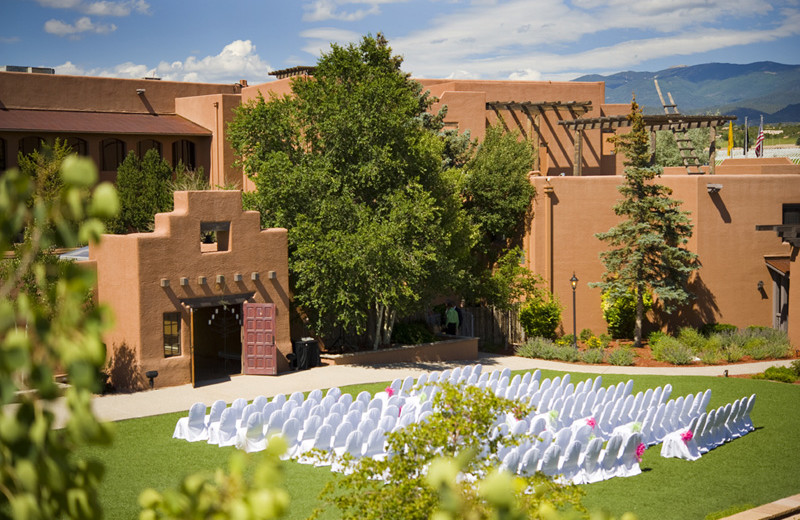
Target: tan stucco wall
point(94, 94)
point(215, 112)
point(130, 269)
point(730, 249)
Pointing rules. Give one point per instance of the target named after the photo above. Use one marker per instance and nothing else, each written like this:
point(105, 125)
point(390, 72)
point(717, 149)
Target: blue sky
point(228, 40)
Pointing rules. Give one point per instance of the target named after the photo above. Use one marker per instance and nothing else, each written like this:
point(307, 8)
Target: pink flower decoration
point(687, 436)
point(591, 422)
point(640, 451)
point(389, 390)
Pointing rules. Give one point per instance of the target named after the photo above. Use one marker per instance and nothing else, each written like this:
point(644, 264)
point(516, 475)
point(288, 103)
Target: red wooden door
point(259, 339)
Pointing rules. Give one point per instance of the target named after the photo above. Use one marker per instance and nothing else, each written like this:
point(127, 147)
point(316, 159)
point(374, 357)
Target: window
point(791, 214)
point(183, 153)
point(214, 236)
point(172, 334)
point(145, 145)
point(78, 145)
point(112, 153)
point(29, 144)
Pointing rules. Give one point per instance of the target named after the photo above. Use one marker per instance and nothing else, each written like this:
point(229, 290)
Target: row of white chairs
point(581, 461)
point(708, 431)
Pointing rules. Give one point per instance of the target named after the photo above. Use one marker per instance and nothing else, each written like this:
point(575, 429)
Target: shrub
point(412, 334)
point(711, 357)
point(566, 339)
point(596, 343)
point(544, 348)
point(733, 354)
point(712, 328)
point(585, 334)
point(461, 424)
point(796, 367)
point(622, 356)
point(782, 374)
point(536, 347)
point(540, 317)
point(672, 351)
point(757, 348)
point(655, 336)
point(620, 314)
point(592, 356)
point(692, 339)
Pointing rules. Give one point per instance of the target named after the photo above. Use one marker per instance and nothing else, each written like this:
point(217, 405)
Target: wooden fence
point(495, 327)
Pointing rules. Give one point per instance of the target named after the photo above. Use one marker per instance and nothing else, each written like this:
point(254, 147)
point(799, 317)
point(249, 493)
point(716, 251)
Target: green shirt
point(451, 315)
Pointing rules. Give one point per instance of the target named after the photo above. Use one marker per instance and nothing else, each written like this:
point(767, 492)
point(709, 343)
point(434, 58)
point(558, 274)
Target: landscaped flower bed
point(689, 347)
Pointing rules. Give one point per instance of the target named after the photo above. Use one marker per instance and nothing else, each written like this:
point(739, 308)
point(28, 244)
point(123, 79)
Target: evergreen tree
point(648, 250)
point(144, 190)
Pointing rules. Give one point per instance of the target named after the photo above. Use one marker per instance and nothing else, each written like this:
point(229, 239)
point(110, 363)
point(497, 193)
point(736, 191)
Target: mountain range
point(762, 88)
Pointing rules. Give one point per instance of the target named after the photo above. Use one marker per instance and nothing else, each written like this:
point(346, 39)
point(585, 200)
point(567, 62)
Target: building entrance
point(217, 334)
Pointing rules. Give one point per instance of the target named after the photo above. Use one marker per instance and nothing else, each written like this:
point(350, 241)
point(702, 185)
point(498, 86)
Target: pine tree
point(648, 250)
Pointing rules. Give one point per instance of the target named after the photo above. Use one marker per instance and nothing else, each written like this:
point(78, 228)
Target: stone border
point(458, 348)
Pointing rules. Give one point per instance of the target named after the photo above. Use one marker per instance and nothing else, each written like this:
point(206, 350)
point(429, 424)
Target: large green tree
point(647, 249)
point(497, 195)
point(352, 163)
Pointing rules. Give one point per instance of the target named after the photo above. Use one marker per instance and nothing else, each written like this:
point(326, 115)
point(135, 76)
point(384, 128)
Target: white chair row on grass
point(710, 430)
point(573, 431)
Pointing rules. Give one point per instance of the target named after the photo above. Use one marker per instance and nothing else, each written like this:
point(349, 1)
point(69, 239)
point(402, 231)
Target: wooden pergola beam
point(653, 123)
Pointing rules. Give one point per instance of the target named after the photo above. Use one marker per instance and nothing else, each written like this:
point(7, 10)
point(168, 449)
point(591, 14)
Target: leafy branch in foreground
point(47, 328)
point(460, 428)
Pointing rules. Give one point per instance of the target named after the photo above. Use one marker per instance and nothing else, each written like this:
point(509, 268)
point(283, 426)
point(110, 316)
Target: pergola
point(654, 123)
point(533, 120)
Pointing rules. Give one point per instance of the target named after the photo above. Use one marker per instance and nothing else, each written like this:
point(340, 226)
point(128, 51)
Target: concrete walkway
point(117, 407)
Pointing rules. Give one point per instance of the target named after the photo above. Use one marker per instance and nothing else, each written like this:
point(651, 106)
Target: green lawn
point(758, 468)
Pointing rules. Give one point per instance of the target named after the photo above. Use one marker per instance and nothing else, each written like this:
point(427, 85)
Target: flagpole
point(746, 137)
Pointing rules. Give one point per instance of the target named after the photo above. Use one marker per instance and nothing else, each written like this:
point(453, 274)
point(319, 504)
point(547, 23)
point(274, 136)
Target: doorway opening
point(217, 342)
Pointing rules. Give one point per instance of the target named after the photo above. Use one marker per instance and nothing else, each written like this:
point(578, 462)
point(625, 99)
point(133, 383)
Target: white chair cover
point(223, 433)
point(251, 438)
point(375, 443)
point(291, 433)
point(334, 391)
point(259, 402)
point(511, 459)
point(279, 400)
point(628, 462)
point(530, 461)
point(568, 467)
point(590, 470)
point(342, 432)
point(346, 400)
point(275, 422)
point(675, 447)
point(297, 397)
point(215, 412)
point(192, 428)
point(609, 457)
point(364, 397)
point(550, 460)
point(237, 406)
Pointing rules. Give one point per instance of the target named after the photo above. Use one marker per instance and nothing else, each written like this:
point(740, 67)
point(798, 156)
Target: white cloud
point(82, 25)
point(322, 10)
point(238, 60)
point(535, 39)
point(101, 7)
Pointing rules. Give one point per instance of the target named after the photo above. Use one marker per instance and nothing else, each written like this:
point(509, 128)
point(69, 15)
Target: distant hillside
point(765, 87)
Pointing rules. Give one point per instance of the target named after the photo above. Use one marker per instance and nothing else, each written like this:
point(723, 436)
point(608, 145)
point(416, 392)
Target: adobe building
point(746, 221)
point(204, 296)
point(568, 124)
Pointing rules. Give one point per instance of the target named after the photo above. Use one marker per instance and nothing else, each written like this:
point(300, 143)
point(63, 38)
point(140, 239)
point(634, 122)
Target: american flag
point(760, 140)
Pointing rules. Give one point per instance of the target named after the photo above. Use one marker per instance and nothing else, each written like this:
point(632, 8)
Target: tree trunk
point(376, 341)
point(388, 326)
point(637, 330)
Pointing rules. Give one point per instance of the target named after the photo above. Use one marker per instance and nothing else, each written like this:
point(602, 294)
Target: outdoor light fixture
point(237, 277)
point(140, 91)
point(725, 373)
point(574, 282)
point(184, 281)
point(760, 285)
point(713, 188)
point(271, 275)
point(254, 276)
point(151, 375)
point(201, 280)
point(220, 279)
point(165, 282)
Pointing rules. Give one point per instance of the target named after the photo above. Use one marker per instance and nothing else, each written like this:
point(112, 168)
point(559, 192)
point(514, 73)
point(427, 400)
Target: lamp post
point(574, 282)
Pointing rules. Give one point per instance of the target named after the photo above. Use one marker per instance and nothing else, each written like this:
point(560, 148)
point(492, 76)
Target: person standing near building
point(451, 319)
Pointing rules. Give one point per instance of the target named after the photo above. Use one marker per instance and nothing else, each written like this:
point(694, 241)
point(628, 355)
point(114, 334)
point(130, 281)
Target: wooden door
point(259, 353)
